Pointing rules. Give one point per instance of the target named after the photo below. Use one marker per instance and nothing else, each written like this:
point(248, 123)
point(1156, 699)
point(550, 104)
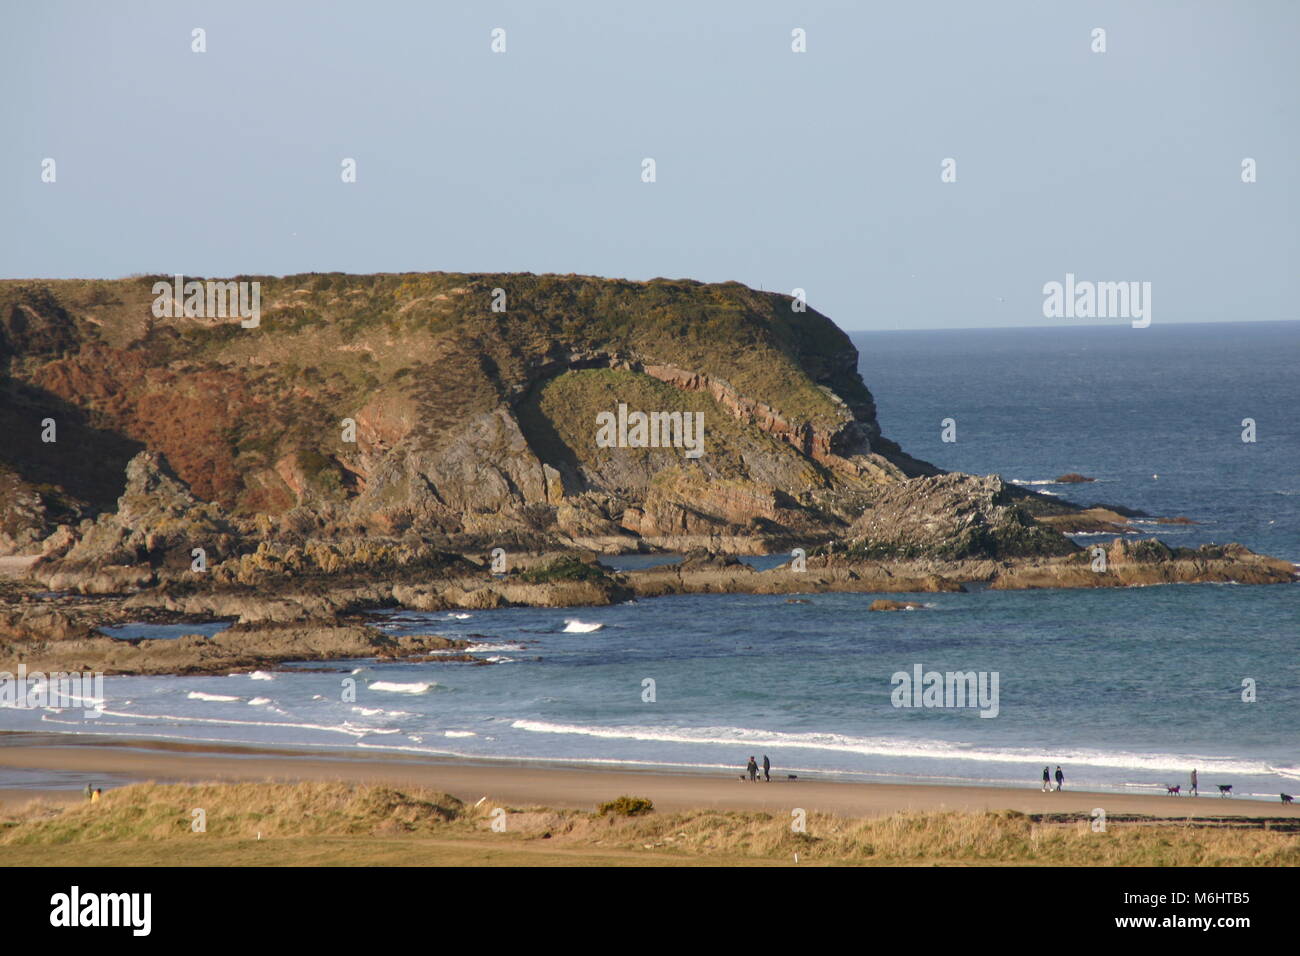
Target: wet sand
point(551, 786)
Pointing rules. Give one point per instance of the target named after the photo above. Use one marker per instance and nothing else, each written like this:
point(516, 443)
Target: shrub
point(564, 569)
point(627, 807)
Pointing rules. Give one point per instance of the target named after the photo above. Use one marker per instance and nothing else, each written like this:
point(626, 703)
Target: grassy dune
point(346, 824)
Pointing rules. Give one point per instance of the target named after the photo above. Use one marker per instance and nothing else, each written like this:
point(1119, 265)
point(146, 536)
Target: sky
point(818, 170)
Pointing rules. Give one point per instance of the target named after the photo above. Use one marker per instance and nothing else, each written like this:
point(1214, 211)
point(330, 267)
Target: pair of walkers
point(1047, 779)
point(752, 769)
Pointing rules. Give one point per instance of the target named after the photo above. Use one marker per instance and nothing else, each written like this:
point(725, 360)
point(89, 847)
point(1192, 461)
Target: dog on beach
point(1225, 789)
point(1174, 791)
point(792, 776)
point(1287, 798)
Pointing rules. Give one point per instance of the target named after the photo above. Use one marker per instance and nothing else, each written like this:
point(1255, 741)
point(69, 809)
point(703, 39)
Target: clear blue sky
point(780, 170)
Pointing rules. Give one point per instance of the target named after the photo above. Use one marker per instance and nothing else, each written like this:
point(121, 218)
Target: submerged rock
point(881, 604)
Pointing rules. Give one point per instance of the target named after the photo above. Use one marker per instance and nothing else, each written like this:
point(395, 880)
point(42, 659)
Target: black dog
point(1287, 798)
point(792, 776)
point(1225, 789)
point(1174, 791)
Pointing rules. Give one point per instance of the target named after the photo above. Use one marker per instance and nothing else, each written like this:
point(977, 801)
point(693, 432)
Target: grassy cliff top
point(379, 324)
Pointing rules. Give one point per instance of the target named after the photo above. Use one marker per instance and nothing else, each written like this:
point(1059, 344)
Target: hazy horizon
point(818, 170)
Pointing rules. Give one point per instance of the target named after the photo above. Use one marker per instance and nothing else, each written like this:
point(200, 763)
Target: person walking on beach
point(1193, 783)
point(1060, 777)
point(752, 769)
point(1047, 780)
point(767, 769)
point(87, 791)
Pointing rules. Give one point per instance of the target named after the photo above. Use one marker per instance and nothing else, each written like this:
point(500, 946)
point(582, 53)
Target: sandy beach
point(524, 786)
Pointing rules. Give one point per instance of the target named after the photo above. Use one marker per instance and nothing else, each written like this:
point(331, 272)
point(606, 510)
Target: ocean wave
point(259, 701)
point(459, 733)
point(216, 698)
point(892, 747)
point(229, 722)
point(367, 731)
point(77, 702)
point(393, 687)
point(573, 626)
point(261, 675)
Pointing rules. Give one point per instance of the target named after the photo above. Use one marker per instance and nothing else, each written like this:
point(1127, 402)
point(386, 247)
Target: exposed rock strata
point(237, 649)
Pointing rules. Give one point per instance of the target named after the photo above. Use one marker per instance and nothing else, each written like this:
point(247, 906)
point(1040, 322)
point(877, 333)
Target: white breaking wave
point(890, 747)
point(367, 731)
point(226, 721)
point(419, 687)
point(459, 733)
point(259, 701)
point(574, 626)
point(261, 675)
point(220, 698)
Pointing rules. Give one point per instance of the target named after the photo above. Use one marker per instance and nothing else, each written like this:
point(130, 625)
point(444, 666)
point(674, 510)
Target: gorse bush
point(626, 806)
point(564, 569)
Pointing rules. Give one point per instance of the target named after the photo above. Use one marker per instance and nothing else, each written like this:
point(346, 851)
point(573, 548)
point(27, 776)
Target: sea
point(1127, 690)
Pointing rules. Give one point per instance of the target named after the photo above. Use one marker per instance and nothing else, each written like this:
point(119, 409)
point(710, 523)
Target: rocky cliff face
point(404, 406)
point(376, 438)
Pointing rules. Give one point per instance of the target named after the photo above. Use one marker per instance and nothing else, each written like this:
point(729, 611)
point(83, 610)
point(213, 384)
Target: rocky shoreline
point(383, 442)
point(308, 596)
point(325, 621)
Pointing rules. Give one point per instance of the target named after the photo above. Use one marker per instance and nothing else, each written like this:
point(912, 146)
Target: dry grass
point(150, 811)
point(329, 822)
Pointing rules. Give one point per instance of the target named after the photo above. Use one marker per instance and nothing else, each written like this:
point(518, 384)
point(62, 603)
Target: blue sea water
point(1154, 414)
point(1127, 690)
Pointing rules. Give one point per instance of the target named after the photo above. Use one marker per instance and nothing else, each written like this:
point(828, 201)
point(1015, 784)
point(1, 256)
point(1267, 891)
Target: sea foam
point(392, 687)
point(219, 698)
